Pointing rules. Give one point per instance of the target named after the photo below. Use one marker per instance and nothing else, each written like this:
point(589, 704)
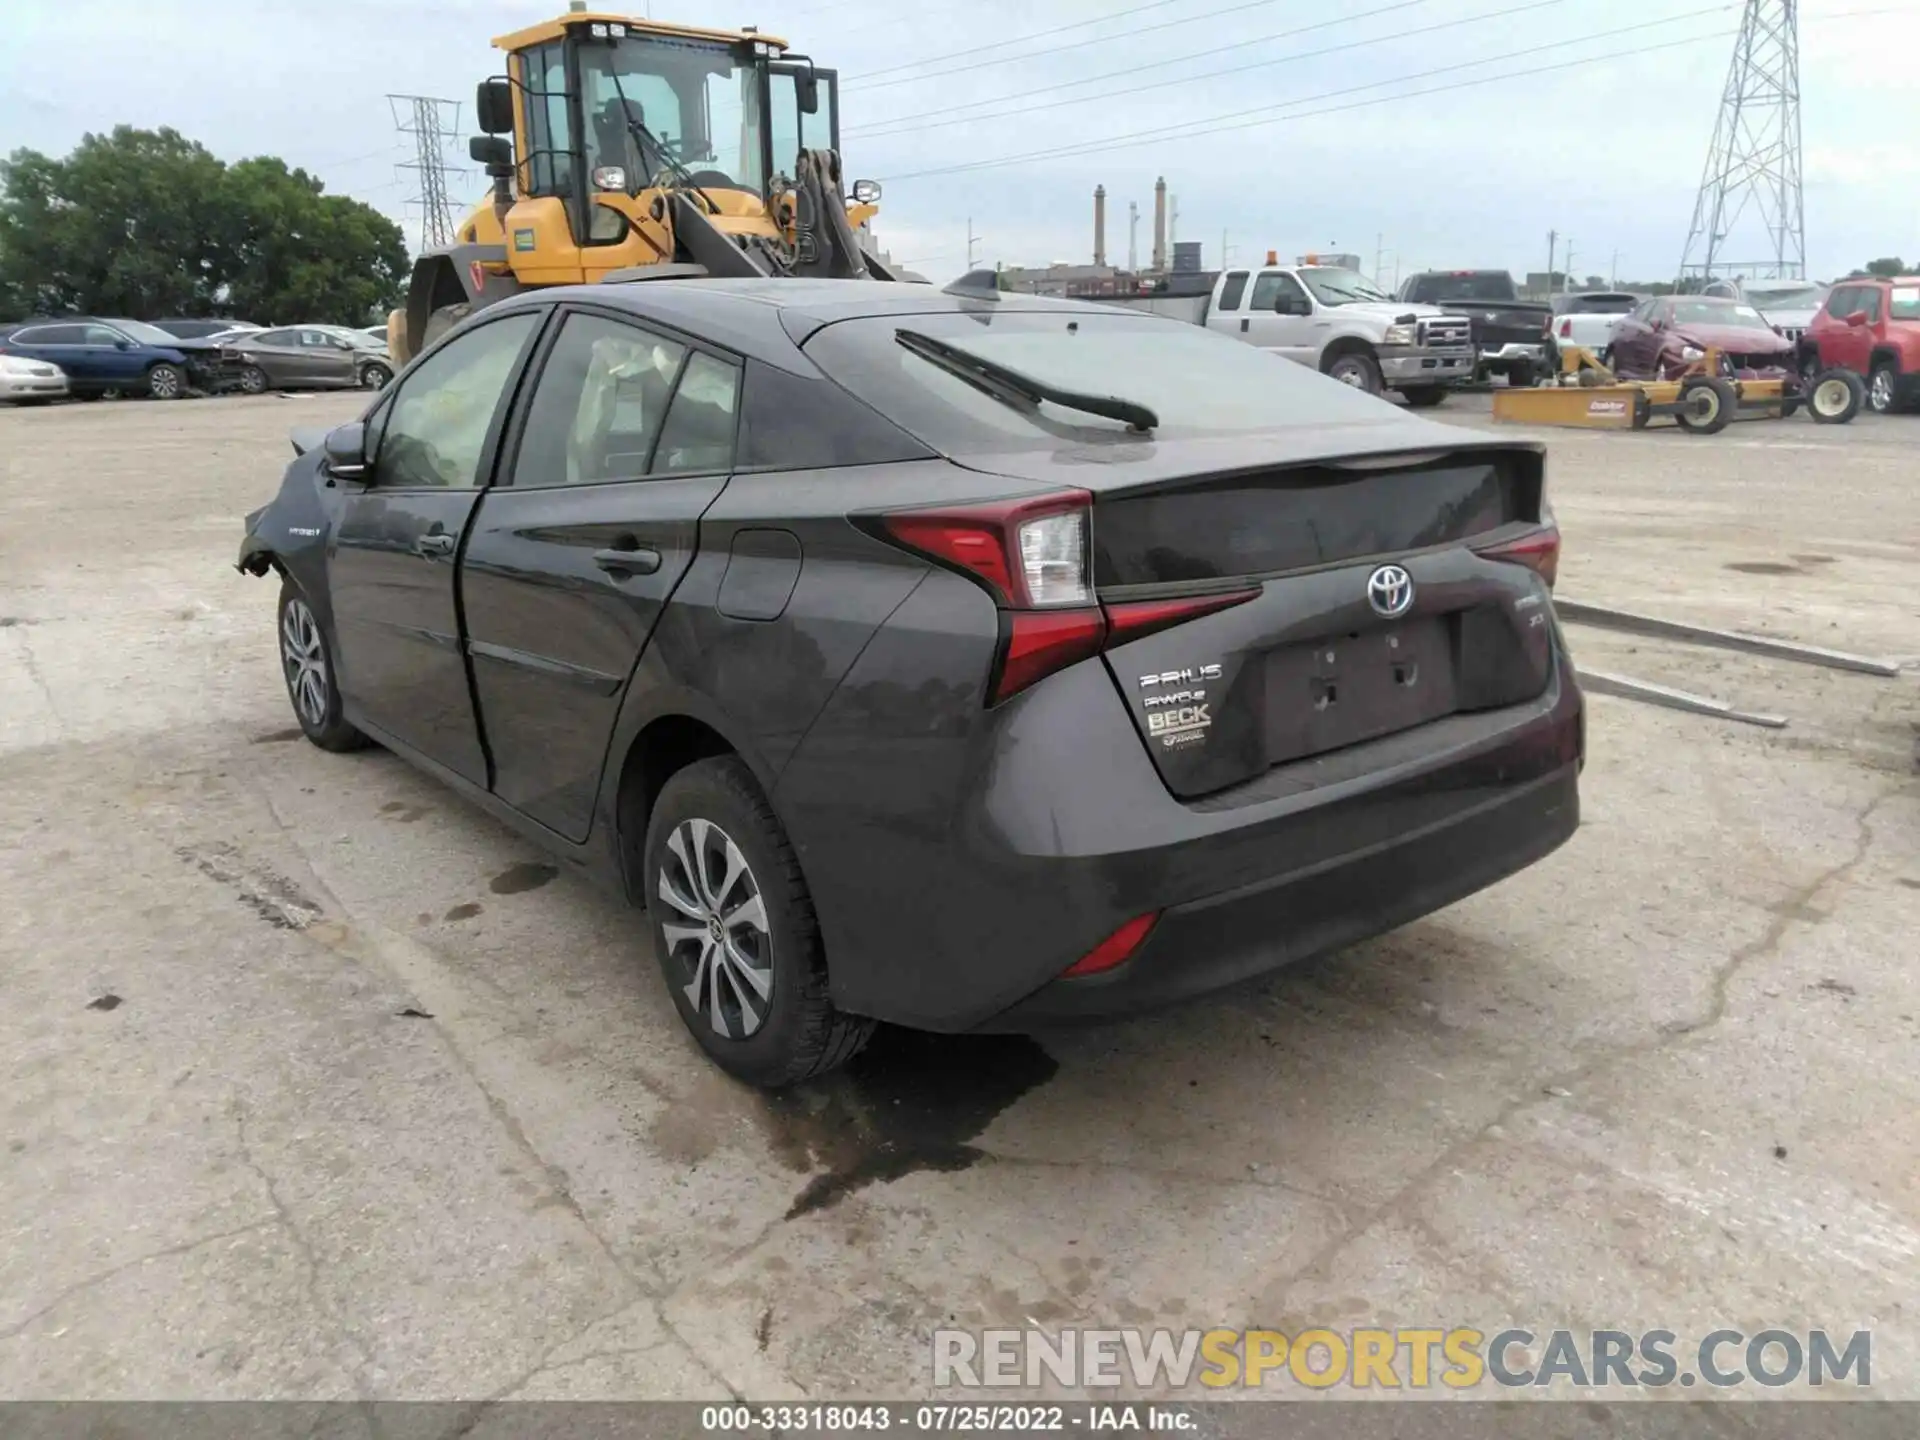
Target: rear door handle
point(436, 544)
point(638, 560)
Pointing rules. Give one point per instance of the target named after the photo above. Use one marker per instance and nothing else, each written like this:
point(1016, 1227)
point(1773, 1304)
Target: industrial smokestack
point(1160, 225)
point(1099, 224)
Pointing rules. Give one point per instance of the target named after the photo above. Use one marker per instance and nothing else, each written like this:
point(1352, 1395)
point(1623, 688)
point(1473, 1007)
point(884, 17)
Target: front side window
point(102, 335)
point(1843, 301)
point(699, 104)
point(1872, 302)
point(435, 432)
point(1270, 289)
point(599, 406)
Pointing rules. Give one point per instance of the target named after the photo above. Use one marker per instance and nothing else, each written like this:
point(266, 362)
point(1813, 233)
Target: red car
point(1665, 335)
point(1871, 327)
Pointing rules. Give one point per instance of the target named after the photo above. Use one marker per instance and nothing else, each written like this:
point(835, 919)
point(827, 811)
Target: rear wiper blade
point(1005, 383)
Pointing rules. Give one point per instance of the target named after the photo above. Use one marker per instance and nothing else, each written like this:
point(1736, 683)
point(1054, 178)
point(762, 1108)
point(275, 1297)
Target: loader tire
point(1836, 397)
point(443, 320)
point(1710, 402)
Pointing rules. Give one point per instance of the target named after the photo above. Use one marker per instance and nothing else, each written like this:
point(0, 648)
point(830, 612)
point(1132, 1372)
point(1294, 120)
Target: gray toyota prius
point(958, 660)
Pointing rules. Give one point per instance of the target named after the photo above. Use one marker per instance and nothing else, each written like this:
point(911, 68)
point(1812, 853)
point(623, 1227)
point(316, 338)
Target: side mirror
point(123, 344)
point(1858, 317)
point(1291, 305)
point(346, 449)
point(491, 151)
point(807, 87)
point(493, 106)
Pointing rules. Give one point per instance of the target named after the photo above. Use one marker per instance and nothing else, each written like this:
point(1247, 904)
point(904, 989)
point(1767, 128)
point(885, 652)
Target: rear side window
point(599, 406)
point(701, 420)
point(1906, 302)
point(51, 335)
point(1231, 292)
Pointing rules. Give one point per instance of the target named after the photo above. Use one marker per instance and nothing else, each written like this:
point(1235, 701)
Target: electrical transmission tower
point(434, 125)
point(1754, 160)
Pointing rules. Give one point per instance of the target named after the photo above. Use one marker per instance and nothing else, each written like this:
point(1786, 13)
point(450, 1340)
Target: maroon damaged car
point(1667, 334)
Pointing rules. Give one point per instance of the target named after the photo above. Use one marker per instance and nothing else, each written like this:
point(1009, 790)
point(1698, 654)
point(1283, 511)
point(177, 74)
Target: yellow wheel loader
point(623, 149)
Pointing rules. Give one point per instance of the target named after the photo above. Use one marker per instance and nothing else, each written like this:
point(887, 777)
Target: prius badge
point(1390, 592)
point(1179, 716)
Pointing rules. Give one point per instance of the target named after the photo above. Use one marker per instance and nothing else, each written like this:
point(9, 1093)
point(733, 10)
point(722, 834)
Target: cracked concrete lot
point(315, 1083)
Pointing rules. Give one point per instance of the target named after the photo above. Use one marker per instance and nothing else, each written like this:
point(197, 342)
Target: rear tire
point(1424, 397)
point(1836, 397)
point(1712, 404)
point(1520, 375)
point(1356, 368)
point(734, 930)
point(166, 382)
point(306, 664)
point(443, 320)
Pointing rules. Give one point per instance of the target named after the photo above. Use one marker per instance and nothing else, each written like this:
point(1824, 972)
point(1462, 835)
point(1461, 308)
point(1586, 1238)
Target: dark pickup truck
point(1509, 334)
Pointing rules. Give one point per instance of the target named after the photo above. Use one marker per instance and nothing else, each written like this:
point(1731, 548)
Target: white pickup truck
point(1335, 320)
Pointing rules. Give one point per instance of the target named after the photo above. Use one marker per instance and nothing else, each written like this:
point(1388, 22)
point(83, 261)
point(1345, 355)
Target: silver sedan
point(22, 379)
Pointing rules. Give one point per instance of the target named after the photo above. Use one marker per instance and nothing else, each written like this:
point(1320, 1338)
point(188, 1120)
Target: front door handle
point(436, 543)
point(636, 560)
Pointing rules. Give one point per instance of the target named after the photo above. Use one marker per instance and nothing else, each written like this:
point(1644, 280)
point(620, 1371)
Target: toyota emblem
point(1390, 591)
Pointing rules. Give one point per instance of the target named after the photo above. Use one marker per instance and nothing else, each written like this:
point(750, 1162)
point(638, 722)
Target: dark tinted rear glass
point(1197, 382)
point(1475, 285)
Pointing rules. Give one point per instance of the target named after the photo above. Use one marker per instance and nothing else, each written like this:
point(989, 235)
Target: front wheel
point(375, 376)
point(253, 380)
point(166, 382)
point(1424, 397)
point(307, 666)
point(734, 930)
point(1836, 397)
point(1708, 404)
point(1358, 369)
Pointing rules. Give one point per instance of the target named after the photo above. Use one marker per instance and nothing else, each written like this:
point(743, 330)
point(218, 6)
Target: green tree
point(147, 223)
point(1888, 267)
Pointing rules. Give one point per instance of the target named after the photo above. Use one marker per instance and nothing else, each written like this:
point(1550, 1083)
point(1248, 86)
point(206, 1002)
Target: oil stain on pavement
point(909, 1102)
point(527, 875)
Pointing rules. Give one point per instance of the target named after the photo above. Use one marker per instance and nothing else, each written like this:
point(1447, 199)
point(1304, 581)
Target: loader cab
point(605, 112)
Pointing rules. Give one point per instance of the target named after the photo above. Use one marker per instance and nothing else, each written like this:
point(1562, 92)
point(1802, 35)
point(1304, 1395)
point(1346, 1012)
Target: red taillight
point(1116, 949)
point(1538, 550)
point(1040, 642)
point(1035, 557)
point(1566, 329)
point(1132, 620)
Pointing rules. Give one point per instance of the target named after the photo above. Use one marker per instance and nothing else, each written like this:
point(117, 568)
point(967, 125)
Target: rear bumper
point(1511, 351)
point(961, 860)
point(1219, 941)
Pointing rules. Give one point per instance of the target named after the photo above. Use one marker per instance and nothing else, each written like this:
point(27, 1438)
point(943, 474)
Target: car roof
point(769, 318)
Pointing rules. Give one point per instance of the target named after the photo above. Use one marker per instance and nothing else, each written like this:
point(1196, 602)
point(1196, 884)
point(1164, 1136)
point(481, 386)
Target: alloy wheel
point(375, 377)
point(717, 933)
point(305, 660)
point(1880, 391)
point(253, 380)
point(164, 382)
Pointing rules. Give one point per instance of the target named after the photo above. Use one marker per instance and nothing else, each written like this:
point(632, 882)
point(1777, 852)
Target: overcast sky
point(1607, 152)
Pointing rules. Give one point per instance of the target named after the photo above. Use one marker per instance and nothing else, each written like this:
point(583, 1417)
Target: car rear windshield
point(1196, 382)
point(1599, 304)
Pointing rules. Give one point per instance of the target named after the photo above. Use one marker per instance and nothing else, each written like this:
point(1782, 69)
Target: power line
point(882, 128)
point(1003, 44)
point(1098, 39)
point(1217, 124)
